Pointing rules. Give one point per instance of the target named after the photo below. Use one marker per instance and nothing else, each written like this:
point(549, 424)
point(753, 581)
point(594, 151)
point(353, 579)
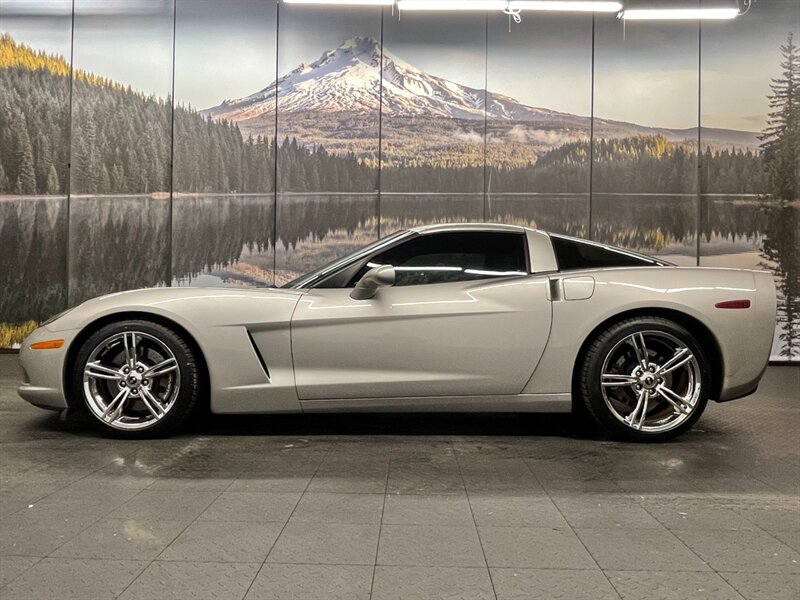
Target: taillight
point(733, 304)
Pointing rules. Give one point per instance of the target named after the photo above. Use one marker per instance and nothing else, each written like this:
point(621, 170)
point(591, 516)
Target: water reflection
point(117, 243)
point(314, 229)
point(559, 213)
point(121, 243)
point(661, 225)
point(228, 239)
point(33, 257)
point(400, 211)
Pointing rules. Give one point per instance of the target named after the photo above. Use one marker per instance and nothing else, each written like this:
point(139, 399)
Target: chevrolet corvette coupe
point(468, 317)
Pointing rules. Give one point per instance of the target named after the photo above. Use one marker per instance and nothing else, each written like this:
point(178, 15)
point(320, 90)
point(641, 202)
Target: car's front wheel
point(136, 378)
point(645, 379)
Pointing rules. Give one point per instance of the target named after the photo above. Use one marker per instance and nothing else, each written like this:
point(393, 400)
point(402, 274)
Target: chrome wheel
point(651, 381)
point(131, 380)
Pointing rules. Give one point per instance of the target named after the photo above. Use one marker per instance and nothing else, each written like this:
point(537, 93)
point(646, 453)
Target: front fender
point(220, 322)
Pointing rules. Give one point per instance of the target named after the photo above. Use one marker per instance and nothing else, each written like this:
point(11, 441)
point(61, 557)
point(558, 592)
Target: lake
point(52, 257)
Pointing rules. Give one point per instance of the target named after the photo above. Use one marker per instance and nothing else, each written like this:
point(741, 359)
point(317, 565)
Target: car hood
point(214, 306)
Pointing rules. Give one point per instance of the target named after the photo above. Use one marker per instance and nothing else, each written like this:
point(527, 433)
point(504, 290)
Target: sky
point(227, 50)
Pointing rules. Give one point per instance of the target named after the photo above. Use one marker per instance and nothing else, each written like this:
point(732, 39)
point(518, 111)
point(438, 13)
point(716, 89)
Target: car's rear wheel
point(136, 378)
point(645, 379)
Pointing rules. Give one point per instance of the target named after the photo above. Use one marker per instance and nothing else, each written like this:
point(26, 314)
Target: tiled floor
point(413, 507)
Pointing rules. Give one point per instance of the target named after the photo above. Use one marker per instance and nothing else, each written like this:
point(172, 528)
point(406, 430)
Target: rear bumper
point(746, 340)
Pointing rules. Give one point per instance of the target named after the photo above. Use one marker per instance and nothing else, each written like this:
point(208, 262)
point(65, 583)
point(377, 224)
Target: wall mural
point(223, 198)
point(298, 133)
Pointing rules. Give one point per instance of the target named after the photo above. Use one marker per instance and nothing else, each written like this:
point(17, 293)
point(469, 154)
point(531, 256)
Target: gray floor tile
point(85, 503)
point(329, 507)
point(604, 510)
point(430, 545)
point(277, 483)
point(73, 579)
point(129, 539)
point(432, 583)
point(223, 541)
point(765, 586)
point(411, 478)
point(534, 548)
point(499, 476)
point(553, 584)
point(311, 582)
point(660, 585)
point(251, 506)
point(12, 567)
point(164, 506)
point(634, 549)
point(696, 514)
point(11, 502)
point(199, 581)
point(326, 543)
point(350, 477)
point(27, 535)
point(191, 484)
point(790, 537)
point(693, 484)
point(562, 483)
point(744, 551)
point(414, 509)
point(348, 483)
point(515, 511)
point(780, 517)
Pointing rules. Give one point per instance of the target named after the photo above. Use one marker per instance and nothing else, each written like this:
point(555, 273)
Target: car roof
point(469, 227)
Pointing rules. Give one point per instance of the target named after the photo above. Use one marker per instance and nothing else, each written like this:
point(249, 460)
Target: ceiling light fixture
point(565, 6)
point(678, 14)
point(542, 5)
point(343, 2)
point(452, 4)
point(513, 8)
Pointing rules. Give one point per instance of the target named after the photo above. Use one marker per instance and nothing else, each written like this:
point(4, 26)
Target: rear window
point(573, 254)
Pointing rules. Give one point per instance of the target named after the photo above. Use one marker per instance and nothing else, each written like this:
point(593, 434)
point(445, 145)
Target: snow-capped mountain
point(349, 80)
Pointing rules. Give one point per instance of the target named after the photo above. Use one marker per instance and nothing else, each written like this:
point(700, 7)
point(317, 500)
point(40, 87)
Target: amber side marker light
point(47, 345)
point(733, 304)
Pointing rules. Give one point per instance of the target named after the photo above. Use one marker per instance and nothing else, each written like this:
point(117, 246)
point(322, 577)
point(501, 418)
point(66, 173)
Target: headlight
point(54, 317)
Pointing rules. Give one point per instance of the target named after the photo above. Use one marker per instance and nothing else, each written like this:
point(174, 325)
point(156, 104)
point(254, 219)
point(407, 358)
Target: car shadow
point(372, 424)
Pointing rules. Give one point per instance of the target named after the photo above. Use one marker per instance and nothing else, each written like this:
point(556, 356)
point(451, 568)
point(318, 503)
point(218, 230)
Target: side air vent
point(258, 355)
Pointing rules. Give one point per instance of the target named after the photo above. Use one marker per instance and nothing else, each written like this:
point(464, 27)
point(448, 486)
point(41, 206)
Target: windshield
point(310, 277)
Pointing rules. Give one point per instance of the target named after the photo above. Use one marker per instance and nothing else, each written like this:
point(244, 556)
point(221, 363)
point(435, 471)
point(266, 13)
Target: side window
point(456, 256)
point(574, 254)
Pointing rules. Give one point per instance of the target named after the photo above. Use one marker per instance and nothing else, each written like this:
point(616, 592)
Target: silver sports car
point(470, 317)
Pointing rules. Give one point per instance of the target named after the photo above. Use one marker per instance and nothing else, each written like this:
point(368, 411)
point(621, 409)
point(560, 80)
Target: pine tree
point(781, 139)
point(53, 187)
point(23, 158)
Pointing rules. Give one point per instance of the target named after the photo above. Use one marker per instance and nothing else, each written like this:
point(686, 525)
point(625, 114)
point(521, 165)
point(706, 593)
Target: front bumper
point(43, 370)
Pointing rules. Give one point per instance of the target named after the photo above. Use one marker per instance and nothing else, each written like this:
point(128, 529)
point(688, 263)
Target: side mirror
point(373, 279)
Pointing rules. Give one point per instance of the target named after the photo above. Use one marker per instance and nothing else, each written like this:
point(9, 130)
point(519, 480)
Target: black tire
point(189, 370)
point(591, 391)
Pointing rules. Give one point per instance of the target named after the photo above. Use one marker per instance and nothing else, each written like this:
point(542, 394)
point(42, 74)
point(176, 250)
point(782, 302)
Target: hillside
point(424, 116)
point(121, 145)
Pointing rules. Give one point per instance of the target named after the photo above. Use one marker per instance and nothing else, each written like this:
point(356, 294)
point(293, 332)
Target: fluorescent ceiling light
point(451, 4)
point(343, 2)
point(565, 6)
point(667, 14)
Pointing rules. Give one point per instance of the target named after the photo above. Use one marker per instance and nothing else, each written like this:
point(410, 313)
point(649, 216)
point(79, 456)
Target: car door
point(465, 317)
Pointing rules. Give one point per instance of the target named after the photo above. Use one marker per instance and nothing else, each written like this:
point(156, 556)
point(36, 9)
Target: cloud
point(527, 135)
point(469, 137)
